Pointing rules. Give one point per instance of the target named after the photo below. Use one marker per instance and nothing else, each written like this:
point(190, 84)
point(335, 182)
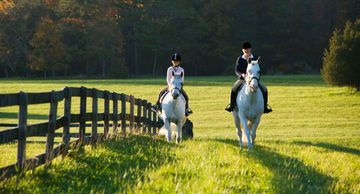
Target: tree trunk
point(65, 71)
point(53, 72)
point(196, 67)
point(154, 64)
point(87, 68)
point(6, 71)
point(103, 68)
point(135, 52)
point(27, 69)
point(87, 55)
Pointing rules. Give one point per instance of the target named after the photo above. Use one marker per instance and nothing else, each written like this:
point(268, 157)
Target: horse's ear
point(249, 60)
point(258, 60)
point(182, 74)
point(172, 73)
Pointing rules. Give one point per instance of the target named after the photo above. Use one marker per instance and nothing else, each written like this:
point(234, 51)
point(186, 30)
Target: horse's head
point(176, 84)
point(253, 74)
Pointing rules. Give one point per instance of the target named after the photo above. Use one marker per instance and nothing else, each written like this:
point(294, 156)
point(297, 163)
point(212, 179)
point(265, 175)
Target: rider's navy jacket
point(241, 66)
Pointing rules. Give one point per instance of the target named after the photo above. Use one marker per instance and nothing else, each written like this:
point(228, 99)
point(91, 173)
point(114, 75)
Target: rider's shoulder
point(241, 60)
point(171, 68)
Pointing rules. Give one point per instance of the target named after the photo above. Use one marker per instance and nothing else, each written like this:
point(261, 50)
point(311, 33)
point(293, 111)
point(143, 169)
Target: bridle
point(258, 79)
point(255, 78)
point(175, 88)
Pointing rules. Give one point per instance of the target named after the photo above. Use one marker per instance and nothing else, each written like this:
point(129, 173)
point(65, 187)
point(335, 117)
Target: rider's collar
point(251, 56)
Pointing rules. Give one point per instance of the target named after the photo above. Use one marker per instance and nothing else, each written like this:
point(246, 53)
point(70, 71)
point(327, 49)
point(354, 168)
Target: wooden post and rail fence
point(144, 121)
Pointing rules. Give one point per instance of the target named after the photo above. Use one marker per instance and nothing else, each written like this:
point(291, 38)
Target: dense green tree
point(341, 62)
point(137, 37)
point(47, 48)
point(94, 42)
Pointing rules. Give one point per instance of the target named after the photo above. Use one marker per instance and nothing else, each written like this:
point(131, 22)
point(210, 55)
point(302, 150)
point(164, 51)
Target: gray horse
point(250, 105)
point(173, 109)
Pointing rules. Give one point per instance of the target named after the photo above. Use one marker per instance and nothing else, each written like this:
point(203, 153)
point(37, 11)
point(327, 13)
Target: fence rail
point(145, 121)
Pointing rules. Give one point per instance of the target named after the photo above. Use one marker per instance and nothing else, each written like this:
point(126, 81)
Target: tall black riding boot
point(231, 106)
point(266, 109)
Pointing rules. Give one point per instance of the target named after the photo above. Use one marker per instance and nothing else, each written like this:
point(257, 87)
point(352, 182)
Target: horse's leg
point(168, 128)
point(254, 126)
point(179, 132)
point(243, 121)
point(249, 126)
point(238, 127)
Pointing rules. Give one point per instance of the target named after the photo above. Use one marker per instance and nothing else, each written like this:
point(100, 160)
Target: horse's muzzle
point(254, 85)
point(175, 93)
point(175, 96)
point(254, 89)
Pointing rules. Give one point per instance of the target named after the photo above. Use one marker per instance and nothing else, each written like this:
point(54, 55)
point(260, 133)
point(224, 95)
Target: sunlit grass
point(309, 144)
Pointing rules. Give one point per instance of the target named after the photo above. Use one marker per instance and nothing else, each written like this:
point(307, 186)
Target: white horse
point(250, 105)
point(173, 109)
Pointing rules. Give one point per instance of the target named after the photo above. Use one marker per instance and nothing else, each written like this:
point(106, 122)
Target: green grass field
point(309, 144)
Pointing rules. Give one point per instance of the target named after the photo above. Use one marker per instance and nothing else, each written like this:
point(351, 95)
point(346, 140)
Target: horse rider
point(240, 71)
point(175, 60)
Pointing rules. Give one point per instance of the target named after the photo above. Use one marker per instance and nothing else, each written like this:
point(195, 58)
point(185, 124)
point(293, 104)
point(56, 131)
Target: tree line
point(341, 62)
point(120, 38)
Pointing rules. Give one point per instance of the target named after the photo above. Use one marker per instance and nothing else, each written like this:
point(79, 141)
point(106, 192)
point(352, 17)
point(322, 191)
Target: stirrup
point(267, 109)
point(155, 108)
point(188, 111)
point(229, 108)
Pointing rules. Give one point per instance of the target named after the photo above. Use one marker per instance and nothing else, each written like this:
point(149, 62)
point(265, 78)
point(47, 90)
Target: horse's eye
point(259, 72)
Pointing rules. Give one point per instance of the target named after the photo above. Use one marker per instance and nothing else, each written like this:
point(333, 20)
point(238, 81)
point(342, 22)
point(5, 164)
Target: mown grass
point(309, 144)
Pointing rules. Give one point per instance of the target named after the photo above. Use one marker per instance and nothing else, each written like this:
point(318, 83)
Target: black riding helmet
point(246, 45)
point(176, 57)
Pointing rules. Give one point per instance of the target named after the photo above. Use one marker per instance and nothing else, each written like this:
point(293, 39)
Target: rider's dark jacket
point(241, 65)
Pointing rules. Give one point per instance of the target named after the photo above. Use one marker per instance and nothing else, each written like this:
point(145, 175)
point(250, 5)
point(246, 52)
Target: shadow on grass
point(291, 175)
point(330, 146)
point(115, 166)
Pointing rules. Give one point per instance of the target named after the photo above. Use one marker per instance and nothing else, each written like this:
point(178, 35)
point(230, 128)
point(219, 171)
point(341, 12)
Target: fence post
point(115, 113)
point(106, 113)
point(149, 117)
point(94, 134)
point(144, 103)
point(123, 114)
point(51, 127)
point(67, 120)
point(154, 122)
point(132, 101)
point(22, 122)
point(82, 120)
point(138, 121)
